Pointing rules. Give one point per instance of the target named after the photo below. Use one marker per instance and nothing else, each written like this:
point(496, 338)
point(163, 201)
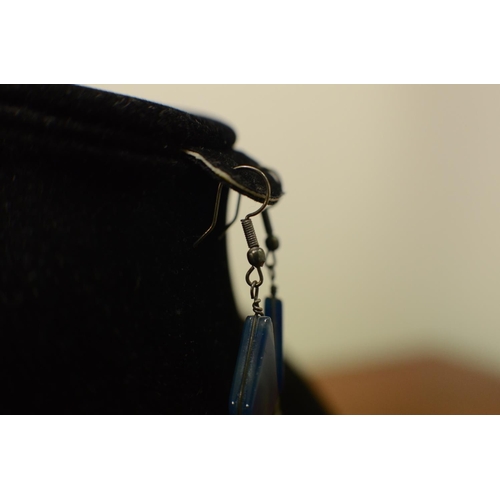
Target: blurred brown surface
point(417, 387)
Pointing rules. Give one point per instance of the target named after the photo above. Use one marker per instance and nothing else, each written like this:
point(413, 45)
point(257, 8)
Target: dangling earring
point(273, 307)
point(255, 383)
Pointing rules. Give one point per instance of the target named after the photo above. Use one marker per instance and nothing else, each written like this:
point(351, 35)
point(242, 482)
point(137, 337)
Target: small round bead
point(272, 243)
point(256, 256)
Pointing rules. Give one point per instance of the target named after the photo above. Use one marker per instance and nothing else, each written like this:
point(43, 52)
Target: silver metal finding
point(254, 294)
point(216, 216)
point(268, 193)
point(253, 282)
point(256, 255)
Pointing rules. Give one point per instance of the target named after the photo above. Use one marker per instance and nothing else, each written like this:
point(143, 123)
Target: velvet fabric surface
point(105, 305)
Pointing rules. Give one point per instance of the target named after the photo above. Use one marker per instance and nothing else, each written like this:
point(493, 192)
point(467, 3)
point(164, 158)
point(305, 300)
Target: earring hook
point(268, 191)
point(217, 205)
point(214, 218)
point(256, 255)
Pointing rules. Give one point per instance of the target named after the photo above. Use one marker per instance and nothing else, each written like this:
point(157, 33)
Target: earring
point(273, 307)
point(255, 383)
point(259, 367)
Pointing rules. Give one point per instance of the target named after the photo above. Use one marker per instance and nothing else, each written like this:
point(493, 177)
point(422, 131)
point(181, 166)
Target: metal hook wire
point(255, 255)
point(217, 205)
point(268, 191)
point(214, 218)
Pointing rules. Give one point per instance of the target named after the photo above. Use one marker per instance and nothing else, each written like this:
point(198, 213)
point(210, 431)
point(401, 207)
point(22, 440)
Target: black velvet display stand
point(105, 305)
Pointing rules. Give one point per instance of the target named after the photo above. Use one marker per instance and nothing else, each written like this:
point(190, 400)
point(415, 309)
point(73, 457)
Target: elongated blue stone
point(273, 308)
point(255, 386)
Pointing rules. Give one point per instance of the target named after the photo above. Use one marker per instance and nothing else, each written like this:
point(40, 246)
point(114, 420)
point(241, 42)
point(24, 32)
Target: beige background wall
point(390, 227)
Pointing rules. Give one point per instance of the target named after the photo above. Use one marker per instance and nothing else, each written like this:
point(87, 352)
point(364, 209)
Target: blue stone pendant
point(255, 386)
point(273, 308)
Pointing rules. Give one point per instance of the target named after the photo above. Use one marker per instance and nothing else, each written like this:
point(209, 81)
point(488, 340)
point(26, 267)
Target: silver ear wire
point(217, 206)
point(214, 218)
point(268, 191)
point(256, 255)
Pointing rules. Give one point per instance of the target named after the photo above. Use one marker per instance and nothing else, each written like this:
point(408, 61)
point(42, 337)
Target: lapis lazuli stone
point(255, 386)
point(273, 308)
